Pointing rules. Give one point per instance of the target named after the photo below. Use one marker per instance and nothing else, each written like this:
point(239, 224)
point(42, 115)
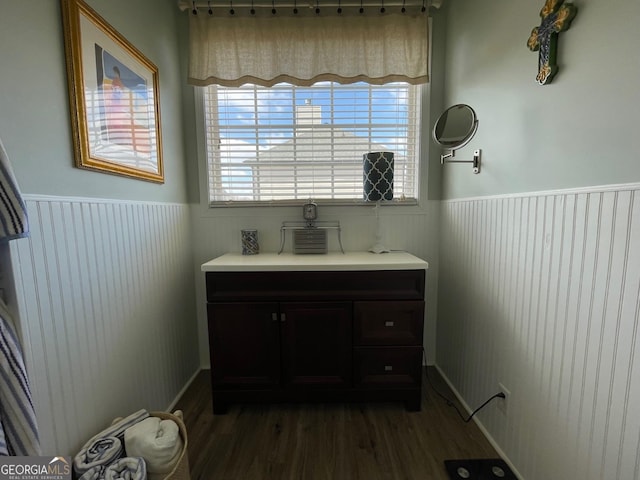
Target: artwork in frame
point(114, 98)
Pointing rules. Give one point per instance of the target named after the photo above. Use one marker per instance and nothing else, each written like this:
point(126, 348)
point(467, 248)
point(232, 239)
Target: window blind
point(285, 143)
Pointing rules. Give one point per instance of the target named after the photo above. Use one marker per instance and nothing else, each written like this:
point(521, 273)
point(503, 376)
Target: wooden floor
point(327, 441)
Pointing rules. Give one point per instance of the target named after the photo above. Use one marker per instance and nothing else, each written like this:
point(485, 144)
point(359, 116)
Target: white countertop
point(272, 262)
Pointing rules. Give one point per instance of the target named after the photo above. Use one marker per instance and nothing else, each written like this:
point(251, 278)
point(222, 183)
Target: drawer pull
point(274, 317)
point(388, 368)
point(283, 317)
point(389, 324)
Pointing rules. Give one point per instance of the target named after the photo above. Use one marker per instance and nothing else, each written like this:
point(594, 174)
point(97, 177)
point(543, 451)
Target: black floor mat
point(479, 469)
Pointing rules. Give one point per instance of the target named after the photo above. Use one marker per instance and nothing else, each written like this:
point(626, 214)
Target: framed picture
point(113, 92)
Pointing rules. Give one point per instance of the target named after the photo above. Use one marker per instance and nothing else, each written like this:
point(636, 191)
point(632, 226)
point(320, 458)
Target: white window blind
point(284, 143)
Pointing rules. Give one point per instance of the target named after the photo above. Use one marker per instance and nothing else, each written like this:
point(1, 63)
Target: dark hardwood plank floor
point(374, 441)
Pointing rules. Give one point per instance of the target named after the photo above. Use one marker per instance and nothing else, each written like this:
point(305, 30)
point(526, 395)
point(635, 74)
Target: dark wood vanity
point(336, 327)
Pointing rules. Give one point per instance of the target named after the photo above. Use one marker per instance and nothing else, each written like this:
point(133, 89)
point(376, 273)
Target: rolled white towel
point(126, 468)
point(157, 441)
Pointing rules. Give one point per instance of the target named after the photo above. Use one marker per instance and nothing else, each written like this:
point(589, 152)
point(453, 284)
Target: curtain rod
point(311, 4)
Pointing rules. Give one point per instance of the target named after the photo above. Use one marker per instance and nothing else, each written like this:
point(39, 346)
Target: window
point(285, 143)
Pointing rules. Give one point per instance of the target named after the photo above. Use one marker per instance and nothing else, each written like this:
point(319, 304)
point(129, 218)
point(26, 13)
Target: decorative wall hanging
point(113, 92)
point(556, 17)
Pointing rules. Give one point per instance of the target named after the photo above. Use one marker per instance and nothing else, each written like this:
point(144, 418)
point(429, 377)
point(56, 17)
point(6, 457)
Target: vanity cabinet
point(315, 335)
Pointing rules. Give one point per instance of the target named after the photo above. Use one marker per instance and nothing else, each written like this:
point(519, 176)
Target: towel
point(94, 473)
point(105, 447)
point(4, 451)
point(17, 416)
point(13, 213)
point(98, 454)
point(157, 441)
point(127, 468)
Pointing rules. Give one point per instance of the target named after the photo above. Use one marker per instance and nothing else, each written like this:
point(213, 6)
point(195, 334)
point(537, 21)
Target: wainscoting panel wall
point(105, 296)
point(541, 293)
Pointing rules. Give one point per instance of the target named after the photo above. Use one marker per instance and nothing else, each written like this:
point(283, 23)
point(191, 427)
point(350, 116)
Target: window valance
point(302, 50)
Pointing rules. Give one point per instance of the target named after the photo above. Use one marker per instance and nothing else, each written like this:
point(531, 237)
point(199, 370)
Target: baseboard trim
point(482, 428)
point(184, 389)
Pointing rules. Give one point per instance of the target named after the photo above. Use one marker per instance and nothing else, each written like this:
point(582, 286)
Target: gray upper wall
point(34, 106)
point(577, 131)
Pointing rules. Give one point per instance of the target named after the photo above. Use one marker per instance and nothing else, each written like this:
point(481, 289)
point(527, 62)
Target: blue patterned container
point(250, 244)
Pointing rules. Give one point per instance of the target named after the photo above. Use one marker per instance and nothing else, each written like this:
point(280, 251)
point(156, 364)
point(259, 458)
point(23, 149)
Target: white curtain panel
point(303, 50)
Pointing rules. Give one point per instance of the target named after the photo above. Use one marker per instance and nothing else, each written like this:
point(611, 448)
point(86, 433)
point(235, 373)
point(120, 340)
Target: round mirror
point(455, 127)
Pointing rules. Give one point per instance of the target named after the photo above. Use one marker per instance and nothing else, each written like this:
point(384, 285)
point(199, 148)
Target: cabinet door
point(316, 344)
point(244, 344)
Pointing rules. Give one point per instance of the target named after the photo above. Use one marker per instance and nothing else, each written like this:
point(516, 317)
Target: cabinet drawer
point(388, 323)
point(388, 366)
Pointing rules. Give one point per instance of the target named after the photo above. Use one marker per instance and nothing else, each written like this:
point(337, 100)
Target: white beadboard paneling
point(105, 297)
point(541, 293)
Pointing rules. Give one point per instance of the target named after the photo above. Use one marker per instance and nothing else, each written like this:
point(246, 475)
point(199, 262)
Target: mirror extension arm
point(476, 159)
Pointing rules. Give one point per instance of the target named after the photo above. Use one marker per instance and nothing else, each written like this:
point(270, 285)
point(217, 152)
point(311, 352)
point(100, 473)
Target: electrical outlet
point(503, 403)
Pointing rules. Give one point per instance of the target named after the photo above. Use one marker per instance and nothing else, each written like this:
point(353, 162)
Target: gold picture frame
point(114, 98)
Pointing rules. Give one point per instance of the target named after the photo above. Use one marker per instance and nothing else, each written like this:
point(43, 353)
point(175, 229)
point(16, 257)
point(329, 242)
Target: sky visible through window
point(348, 106)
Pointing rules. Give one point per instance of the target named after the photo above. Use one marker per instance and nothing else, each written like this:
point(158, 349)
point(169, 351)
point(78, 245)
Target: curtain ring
point(317, 7)
point(231, 10)
point(194, 10)
point(361, 9)
point(382, 6)
point(253, 10)
point(210, 9)
point(273, 7)
point(295, 7)
point(423, 9)
point(403, 10)
point(339, 7)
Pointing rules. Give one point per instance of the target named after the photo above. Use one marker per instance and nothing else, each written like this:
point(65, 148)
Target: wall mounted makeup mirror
point(454, 129)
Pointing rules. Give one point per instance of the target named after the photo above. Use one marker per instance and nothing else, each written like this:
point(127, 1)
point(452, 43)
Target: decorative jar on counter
point(250, 244)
